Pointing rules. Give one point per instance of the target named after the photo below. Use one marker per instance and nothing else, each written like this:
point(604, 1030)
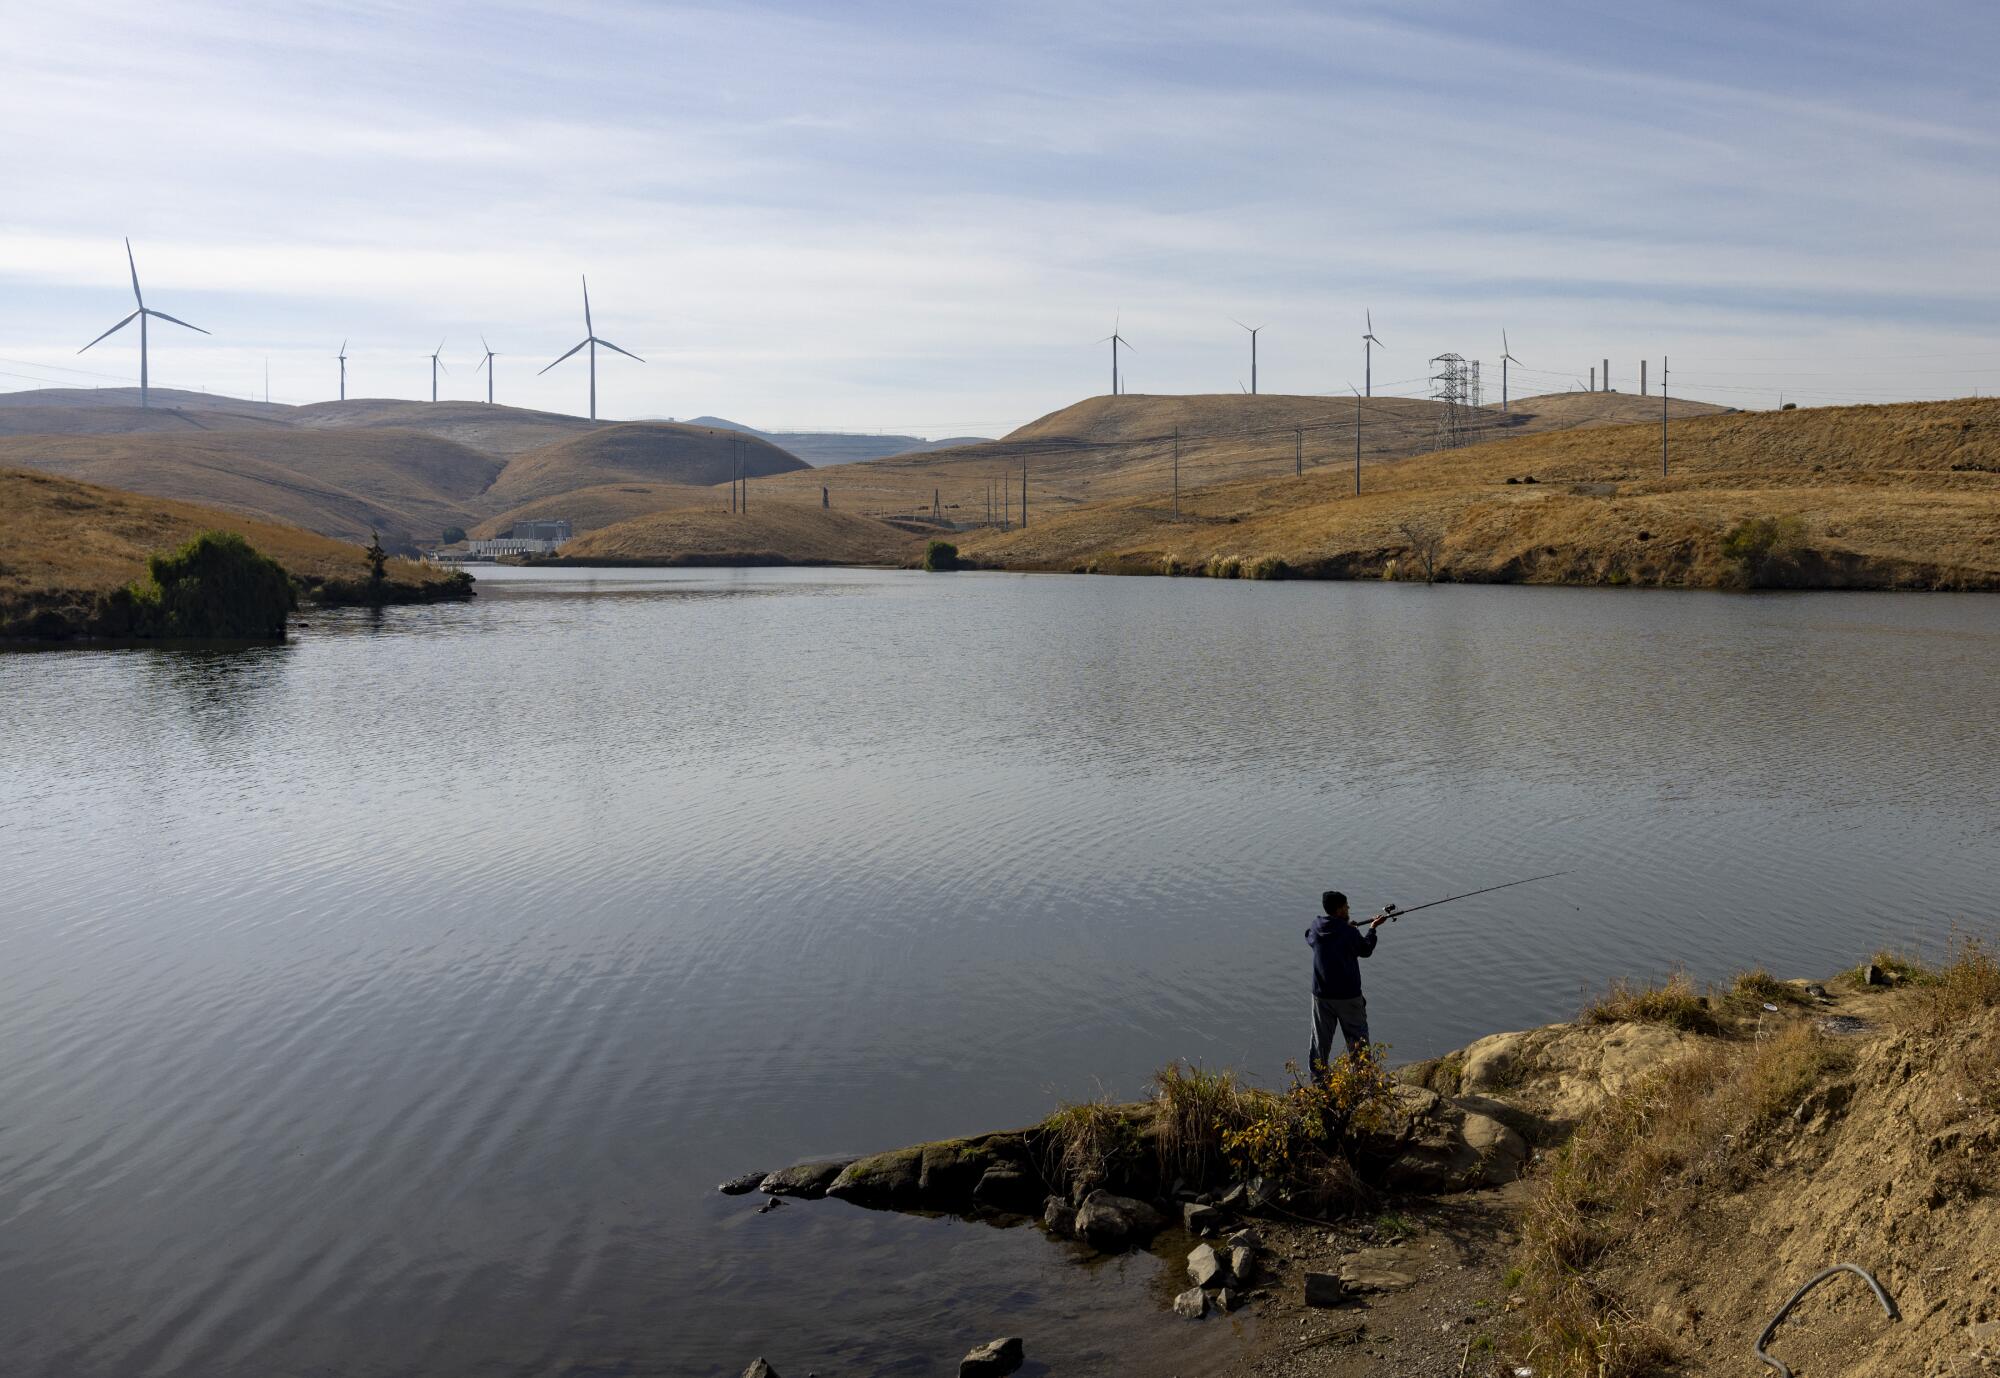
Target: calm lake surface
point(390, 1002)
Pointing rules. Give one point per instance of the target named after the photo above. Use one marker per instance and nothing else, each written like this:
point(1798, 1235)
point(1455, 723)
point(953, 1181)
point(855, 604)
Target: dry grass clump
point(1698, 1126)
point(1963, 989)
point(1087, 1141)
point(1192, 1109)
point(1762, 987)
point(1675, 1003)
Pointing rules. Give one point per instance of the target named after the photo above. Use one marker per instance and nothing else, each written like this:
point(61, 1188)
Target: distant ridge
point(838, 447)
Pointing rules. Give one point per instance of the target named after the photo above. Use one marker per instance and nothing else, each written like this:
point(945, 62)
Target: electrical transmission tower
point(1455, 383)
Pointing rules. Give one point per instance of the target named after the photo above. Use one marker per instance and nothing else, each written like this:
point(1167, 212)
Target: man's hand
point(1378, 921)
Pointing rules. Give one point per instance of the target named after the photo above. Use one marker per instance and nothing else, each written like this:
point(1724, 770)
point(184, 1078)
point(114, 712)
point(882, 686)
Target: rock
point(992, 1359)
point(1236, 1198)
point(1563, 1071)
point(885, 1180)
point(1258, 1193)
point(950, 1172)
point(1205, 1267)
point(1192, 1303)
point(1873, 975)
point(809, 1180)
point(759, 1369)
point(1325, 1289)
point(1110, 1222)
point(1008, 1189)
point(1245, 1239)
point(1242, 1265)
point(1201, 1219)
point(1059, 1217)
point(1436, 1145)
point(1376, 1270)
point(1226, 1300)
point(771, 1205)
point(748, 1182)
point(1986, 1334)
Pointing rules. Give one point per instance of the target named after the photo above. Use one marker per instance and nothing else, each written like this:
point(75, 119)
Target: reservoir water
point(389, 1002)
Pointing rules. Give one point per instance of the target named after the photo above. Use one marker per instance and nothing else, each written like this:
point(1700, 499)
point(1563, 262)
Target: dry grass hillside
point(770, 533)
point(588, 509)
point(1854, 496)
point(496, 430)
point(636, 452)
point(344, 484)
point(70, 541)
point(1116, 447)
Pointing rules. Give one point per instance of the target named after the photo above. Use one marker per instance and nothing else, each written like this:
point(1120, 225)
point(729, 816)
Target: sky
point(924, 217)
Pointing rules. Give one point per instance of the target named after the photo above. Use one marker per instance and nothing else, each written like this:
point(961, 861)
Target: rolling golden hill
point(769, 533)
point(634, 452)
point(70, 541)
point(588, 509)
point(406, 486)
point(1858, 496)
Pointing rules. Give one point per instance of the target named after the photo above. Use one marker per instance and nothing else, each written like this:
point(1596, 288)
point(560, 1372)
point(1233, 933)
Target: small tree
point(453, 535)
point(214, 586)
point(1426, 542)
point(378, 570)
point(941, 556)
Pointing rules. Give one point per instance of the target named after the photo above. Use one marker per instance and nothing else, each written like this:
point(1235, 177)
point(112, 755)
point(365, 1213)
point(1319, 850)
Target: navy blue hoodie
point(1337, 948)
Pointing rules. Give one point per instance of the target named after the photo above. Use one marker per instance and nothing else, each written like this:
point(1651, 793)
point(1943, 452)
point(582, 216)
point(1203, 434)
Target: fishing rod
point(1392, 913)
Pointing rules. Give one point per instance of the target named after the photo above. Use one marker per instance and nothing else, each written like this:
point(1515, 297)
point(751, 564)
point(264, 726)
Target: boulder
point(1242, 1265)
point(1110, 1222)
point(1564, 1071)
point(759, 1369)
point(1236, 1198)
point(1008, 1189)
point(1206, 1268)
point(748, 1182)
point(884, 1181)
point(1325, 1289)
point(809, 1180)
point(1245, 1239)
point(1201, 1218)
point(992, 1359)
point(1227, 1300)
point(1376, 1270)
point(1438, 1145)
point(1192, 1303)
point(1059, 1216)
point(951, 1170)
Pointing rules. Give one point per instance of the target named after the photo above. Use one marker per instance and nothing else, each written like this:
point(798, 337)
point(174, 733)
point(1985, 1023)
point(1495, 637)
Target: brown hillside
point(69, 540)
point(1898, 494)
point(497, 430)
point(408, 487)
point(771, 533)
point(132, 420)
point(1112, 447)
point(587, 509)
point(637, 452)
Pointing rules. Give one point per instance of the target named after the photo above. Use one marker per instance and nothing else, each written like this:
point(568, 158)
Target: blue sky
point(921, 217)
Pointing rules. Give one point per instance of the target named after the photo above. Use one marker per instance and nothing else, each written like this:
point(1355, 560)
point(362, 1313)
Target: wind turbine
point(590, 338)
point(1253, 329)
point(140, 316)
point(342, 356)
point(487, 364)
point(1506, 357)
point(1368, 345)
point(1116, 339)
point(436, 364)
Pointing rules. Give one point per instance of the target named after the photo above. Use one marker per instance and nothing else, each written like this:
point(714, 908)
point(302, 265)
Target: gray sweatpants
point(1350, 1016)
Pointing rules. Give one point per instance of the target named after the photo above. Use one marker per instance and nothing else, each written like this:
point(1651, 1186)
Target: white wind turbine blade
point(175, 319)
point(113, 330)
point(626, 352)
point(588, 328)
point(131, 263)
point(343, 350)
point(580, 345)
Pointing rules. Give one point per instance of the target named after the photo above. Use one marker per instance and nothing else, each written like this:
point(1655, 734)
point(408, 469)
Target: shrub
point(1224, 566)
point(941, 557)
point(1193, 1109)
point(1676, 1004)
point(1270, 567)
point(453, 535)
point(215, 586)
point(1300, 1138)
point(1757, 545)
point(1762, 987)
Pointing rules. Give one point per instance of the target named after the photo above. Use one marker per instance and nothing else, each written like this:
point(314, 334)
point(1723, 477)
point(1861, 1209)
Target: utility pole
point(1006, 505)
point(1024, 495)
point(1357, 447)
point(732, 476)
point(1663, 416)
point(1177, 473)
point(1299, 451)
point(937, 504)
point(1607, 375)
point(1642, 377)
point(1593, 377)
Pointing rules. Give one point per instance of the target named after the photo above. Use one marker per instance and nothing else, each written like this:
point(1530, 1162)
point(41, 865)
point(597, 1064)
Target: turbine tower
point(590, 338)
point(1253, 329)
point(1369, 344)
point(1506, 358)
point(436, 364)
point(342, 356)
point(487, 364)
point(140, 316)
point(1116, 339)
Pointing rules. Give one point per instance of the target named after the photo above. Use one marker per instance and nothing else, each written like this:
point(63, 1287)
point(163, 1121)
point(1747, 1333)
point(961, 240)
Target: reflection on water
point(388, 1002)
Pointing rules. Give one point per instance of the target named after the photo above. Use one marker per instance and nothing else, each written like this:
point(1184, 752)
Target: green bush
point(1756, 545)
point(214, 586)
point(453, 535)
point(941, 557)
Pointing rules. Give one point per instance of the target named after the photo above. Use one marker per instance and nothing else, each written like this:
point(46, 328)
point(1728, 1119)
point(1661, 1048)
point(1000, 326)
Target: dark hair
point(1331, 900)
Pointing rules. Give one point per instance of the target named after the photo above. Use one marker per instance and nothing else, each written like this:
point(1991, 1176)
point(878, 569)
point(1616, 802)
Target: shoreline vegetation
point(1600, 1181)
point(97, 564)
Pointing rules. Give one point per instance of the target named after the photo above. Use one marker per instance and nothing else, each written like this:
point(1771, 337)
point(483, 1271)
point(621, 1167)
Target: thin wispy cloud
point(921, 217)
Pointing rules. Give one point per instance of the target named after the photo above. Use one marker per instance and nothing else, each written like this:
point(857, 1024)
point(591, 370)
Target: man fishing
point(1337, 947)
